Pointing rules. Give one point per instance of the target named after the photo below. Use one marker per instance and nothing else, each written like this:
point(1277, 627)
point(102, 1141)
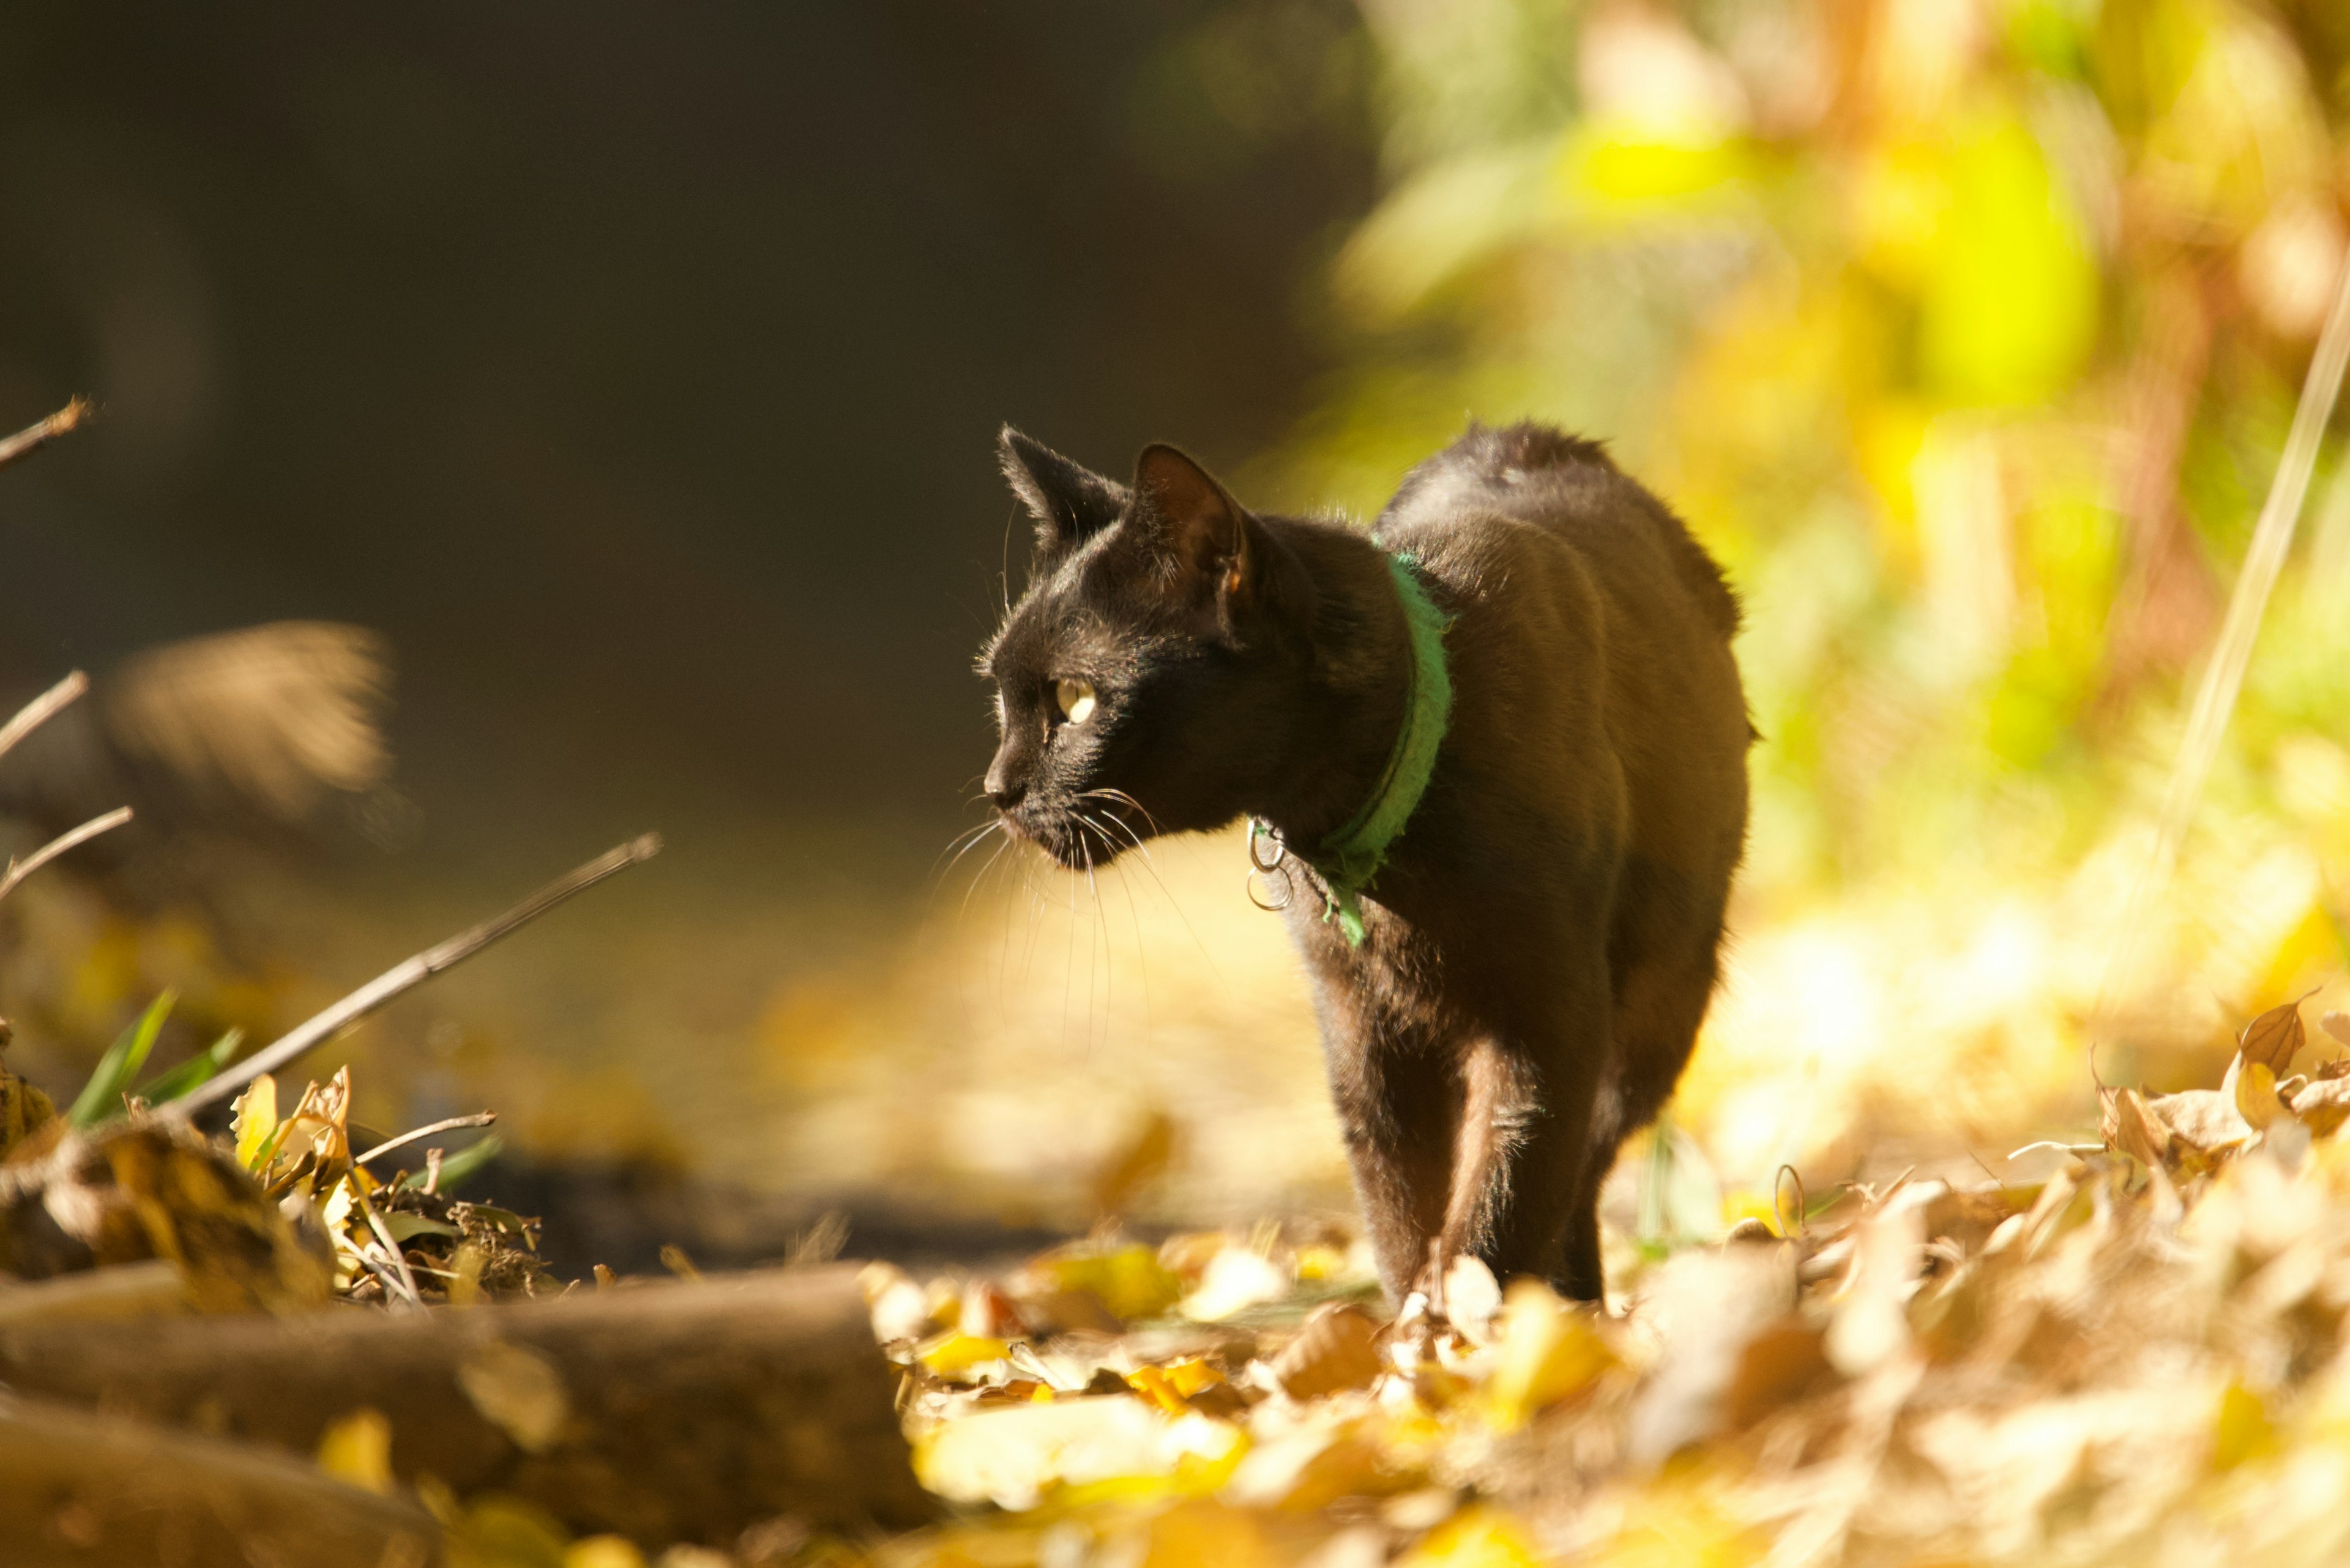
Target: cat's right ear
point(1070, 503)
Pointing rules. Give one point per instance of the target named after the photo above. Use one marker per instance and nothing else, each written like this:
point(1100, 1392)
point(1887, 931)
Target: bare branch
point(41, 709)
point(40, 433)
point(417, 970)
point(20, 869)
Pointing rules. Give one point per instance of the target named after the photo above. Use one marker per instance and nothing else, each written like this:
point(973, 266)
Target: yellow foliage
point(1477, 1537)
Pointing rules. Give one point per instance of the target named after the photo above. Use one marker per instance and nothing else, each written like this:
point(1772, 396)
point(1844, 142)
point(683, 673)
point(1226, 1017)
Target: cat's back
point(1587, 621)
point(1472, 506)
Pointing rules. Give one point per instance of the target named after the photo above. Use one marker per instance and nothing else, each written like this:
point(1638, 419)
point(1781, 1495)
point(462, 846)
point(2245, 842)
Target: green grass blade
point(102, 1096)
point(457, 1167)
point(167, 1086)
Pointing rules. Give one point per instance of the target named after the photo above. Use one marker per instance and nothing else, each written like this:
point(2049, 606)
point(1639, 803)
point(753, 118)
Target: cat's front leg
point(1399, 1101)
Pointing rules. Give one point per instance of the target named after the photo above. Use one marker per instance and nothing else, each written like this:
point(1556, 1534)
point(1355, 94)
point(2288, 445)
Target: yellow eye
point(1076, 698)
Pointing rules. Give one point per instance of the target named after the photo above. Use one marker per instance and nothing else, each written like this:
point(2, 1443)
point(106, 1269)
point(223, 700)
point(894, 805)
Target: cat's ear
point(1194, 522)
point(1070, 503)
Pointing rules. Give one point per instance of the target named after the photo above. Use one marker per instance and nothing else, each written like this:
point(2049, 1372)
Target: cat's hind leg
point(1518, 1192)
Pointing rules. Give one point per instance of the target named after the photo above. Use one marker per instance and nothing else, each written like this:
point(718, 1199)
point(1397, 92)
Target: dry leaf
point(2136, 1131)
point(1336, 1348)
point(2336, 1024)
point(2204, 1123)
point(1547, 1351)
point(2323, 1105)
point(2274, 1038)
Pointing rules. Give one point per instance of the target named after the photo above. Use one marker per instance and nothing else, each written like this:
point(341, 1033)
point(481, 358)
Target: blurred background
point(631, 375)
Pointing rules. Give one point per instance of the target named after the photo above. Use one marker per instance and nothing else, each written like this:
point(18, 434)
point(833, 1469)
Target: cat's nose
point(1004, 787)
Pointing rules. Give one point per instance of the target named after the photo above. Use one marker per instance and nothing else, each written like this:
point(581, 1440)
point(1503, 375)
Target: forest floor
point(2138, 1359)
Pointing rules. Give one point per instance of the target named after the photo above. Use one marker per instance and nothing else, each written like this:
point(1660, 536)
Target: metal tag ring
point(1265, 900)
point(1260, 834)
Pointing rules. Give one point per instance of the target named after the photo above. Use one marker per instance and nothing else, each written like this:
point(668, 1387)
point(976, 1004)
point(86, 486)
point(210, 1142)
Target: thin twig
point(40, 433)
point(417, 970)
point(383, 1234)
point(480, 1119)
point(41, 709)
point(19, 870)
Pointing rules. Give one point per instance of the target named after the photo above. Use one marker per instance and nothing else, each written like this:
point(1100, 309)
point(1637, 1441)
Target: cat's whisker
point(971, 891)
point(1151, 866)
point(1119, 797)
point(961, 845)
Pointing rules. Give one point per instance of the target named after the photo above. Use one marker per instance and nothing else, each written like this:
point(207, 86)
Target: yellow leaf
point(1476, 1537)
point(1153, 1383)
point(1130, 1281)
point(357, 1450)
point(255, 1120)
point(954, 1351)
point(2256, 1094)
point(1547, 1351)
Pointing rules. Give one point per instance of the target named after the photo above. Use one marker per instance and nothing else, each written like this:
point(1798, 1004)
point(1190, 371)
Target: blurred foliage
point(1899, 303)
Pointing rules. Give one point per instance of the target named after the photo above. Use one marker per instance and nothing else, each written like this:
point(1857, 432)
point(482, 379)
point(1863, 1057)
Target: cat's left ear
point(1195, 525)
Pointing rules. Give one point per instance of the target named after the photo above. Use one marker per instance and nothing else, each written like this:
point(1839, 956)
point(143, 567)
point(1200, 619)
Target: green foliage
point(102, 1096)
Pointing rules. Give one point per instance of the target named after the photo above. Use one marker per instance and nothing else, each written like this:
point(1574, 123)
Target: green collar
point(1350, 857)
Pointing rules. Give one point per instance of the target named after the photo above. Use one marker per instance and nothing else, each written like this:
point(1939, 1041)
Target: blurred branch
point(34, 436)
point(19, 870)
point(479, 1119)
point(418, 969)
point(41, 709)
point(2224, 676)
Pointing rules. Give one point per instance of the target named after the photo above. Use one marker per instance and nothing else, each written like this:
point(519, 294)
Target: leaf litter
point(2138, 1359)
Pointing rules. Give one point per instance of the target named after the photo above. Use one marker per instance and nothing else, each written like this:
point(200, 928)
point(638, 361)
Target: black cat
point(1494, 751)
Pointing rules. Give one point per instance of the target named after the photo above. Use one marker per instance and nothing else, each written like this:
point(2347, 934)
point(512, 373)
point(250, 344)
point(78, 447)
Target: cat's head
point(1137, 676)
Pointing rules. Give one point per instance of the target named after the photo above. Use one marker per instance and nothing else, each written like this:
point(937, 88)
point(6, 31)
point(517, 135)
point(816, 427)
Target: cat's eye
point(1076, 696)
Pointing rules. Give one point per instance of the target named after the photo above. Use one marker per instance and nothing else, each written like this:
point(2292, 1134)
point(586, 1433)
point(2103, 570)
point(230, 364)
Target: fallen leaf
point(2138, 1132)
point(2324, 1103)
point(1335, 1349)
point(1237, 1279)
point(1477, 1537)
point(1547, 1351)
point(2256, 1094)
point(2204, 1122)
point(2274, 1038)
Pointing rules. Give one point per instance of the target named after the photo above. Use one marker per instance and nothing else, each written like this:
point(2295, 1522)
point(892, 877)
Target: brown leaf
point(2138, 1132)
point(2275, 1036)
point(2336, 1024)
point(1335, 1349)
